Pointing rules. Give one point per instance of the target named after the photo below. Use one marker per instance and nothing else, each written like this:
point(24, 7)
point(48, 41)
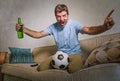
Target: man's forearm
point(30, 32)
point(93, 30)
point(34, 34)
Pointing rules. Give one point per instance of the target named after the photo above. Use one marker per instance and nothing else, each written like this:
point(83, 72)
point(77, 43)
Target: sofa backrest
point(46, 49)
point(87, 45)
point(41, 53)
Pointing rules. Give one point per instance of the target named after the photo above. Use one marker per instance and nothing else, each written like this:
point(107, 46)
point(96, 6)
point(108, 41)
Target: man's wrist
point(106, 27)
point(23, 28)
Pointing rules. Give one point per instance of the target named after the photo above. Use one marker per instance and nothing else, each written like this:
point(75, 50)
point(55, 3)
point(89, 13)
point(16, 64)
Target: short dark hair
point(60, 8)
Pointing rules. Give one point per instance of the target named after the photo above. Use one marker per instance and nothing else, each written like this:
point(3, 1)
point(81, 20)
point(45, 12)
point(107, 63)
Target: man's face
point(62, 18)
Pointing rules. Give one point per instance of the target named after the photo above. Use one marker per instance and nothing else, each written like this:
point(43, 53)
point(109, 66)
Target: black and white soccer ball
point(60, 60)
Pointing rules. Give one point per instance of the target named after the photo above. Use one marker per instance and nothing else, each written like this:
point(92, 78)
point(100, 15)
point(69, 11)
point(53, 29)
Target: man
point(66, 31)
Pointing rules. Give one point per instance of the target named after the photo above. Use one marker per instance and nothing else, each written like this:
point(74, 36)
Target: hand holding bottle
point(19, 28)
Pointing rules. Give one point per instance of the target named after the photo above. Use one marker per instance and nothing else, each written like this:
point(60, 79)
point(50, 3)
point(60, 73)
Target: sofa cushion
point(105, 53)
point(20, 55)
point(30, 73)
point(40, 54)
point(40, 57)
point(101, 72)
point(75, 63)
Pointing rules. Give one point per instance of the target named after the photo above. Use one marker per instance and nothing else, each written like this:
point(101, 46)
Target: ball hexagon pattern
point(60, 60)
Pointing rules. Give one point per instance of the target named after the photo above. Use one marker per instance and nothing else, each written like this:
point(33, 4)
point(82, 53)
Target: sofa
point(98, 72)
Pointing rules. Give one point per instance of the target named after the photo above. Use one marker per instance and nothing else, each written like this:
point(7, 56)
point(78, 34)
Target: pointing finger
point(110, 13)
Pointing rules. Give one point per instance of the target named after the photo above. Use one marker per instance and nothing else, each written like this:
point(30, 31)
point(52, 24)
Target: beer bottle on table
point(20, 31)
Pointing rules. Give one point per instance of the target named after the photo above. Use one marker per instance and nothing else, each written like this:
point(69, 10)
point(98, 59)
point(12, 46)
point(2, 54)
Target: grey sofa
point(100, 72)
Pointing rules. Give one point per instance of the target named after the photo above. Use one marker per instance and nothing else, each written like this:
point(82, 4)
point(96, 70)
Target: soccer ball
point(60, 60)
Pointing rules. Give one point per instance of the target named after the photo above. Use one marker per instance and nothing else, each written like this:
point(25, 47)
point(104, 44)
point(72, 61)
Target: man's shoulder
point(54, 24)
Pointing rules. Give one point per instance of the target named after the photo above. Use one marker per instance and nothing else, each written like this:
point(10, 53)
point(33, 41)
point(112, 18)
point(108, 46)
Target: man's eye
point(58, 16)
point(64, 15)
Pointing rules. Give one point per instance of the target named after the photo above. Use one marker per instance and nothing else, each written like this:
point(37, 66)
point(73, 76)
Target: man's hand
point(18, 26)
point(109, 22)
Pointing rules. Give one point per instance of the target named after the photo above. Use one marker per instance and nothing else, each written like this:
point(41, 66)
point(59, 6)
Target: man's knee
point(75, 63)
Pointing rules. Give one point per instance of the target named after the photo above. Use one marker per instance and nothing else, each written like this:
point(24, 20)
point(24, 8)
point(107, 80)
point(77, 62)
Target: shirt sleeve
point(48, 30)
point(79, 27)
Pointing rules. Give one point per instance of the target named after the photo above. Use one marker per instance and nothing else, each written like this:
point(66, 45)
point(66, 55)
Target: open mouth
point(62, 23)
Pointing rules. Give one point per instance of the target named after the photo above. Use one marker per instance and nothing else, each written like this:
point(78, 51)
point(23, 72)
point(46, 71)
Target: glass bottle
point(20, 31)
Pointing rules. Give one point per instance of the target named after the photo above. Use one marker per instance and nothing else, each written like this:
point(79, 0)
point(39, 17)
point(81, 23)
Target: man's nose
point(61, 18)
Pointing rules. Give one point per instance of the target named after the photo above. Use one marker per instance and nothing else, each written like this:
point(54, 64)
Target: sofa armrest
point(7, 58)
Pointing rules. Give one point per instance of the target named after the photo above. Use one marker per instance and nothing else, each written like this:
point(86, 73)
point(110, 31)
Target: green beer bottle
point(20, 31)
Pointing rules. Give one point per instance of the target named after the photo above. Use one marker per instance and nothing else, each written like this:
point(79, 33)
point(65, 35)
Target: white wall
point(39, 14)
